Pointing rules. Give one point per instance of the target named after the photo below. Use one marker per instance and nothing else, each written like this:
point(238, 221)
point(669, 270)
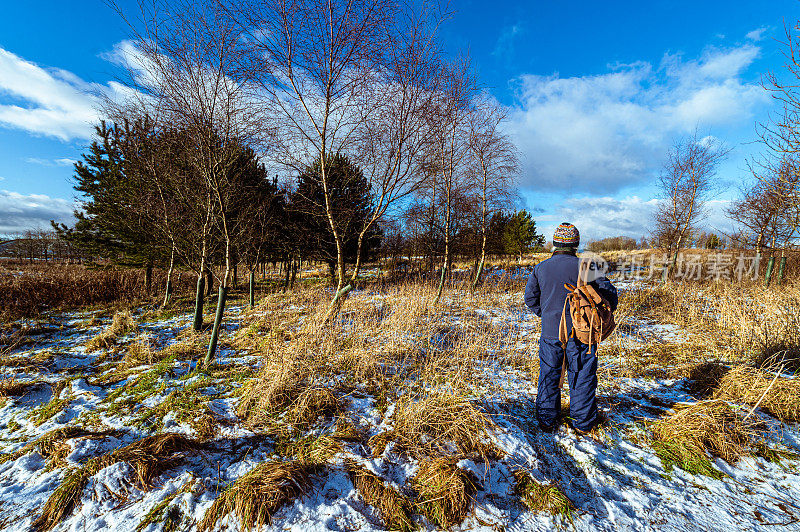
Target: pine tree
point(351, 203)
point(520, 234)
point(112, 222)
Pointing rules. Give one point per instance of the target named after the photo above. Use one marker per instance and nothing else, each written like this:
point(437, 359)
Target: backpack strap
point(583, 272)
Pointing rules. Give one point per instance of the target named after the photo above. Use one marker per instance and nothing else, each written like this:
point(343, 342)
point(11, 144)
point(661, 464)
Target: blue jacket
point(545, 293)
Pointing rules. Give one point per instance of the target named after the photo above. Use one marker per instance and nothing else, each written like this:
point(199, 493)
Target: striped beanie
point(566, 236)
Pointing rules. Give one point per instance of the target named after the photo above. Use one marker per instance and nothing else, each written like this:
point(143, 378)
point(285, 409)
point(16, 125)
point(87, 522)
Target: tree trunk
point(286, 272)
point(445, 269)
point(198, 303)
point(168, 289)
point(252, 288)
point(209, 282)
point(212, 344)
point(223, 288)
point(768, 275)
point(782, 267)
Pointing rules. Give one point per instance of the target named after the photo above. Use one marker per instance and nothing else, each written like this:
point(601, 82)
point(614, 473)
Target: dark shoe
point(547, 428)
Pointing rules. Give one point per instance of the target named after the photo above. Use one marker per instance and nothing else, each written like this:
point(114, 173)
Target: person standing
point(545, 295)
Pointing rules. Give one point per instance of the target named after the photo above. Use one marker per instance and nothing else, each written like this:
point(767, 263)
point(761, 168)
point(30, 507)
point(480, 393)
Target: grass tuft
point(149, 457)
point(541, 497)
point(122, 324)
point(257, 495)
point(439, 423)
point(446, 492)
point(749, 385)
point(394, 508)
point(685, 437)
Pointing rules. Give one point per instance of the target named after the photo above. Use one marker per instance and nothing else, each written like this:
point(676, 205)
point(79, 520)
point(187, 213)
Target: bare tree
point(349, 77)
point(685, 182)
point(186, 53)
point(446, 154)
point(493, 166)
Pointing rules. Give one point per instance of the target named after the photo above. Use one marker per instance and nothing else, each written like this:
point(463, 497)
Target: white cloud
point(47, 101)
point(504, 47)
point(757, 34)
point(19, 212)
point(65, 161)
point(602, 217)
point(597, 134)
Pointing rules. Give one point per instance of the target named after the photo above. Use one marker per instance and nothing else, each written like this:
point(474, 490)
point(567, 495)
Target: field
point(401, 415)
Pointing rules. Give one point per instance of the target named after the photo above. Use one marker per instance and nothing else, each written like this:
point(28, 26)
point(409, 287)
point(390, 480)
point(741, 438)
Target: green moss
point(677, 455)
point(163, 512)
point(542, 497)
point(56, 404)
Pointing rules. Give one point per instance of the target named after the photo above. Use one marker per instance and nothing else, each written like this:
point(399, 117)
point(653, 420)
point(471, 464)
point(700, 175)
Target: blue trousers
point(582, 378)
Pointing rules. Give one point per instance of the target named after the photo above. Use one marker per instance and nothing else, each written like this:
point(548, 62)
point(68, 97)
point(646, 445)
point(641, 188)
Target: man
point(545, 295)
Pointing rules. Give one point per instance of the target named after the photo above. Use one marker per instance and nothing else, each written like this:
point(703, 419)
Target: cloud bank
point(603, 217)
point(598, 134)
point(20, 212)
point(47, 101)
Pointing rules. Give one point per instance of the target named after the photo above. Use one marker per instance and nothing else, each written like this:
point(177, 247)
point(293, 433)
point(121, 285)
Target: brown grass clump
point(704, 378)
point(683, 437)
point(149, 457)
point(11, 387)
point(440, 423)
point(153, 455)
point(122, 324)
point(28, 290)
point(541, 497)
point(446, 492)
point(394, 508)
point(746, 384)
point(142, 352)
point(256, 496)
point(283, 387)
point(53, 445)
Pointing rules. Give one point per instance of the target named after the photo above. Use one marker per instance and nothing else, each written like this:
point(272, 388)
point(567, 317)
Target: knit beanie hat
point(566, 236)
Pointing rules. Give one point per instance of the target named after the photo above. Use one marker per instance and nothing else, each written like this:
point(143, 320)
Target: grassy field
point(401, 415)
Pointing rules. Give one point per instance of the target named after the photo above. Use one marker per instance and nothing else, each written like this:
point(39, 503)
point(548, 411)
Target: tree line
point(252, 131)
point(767, 212)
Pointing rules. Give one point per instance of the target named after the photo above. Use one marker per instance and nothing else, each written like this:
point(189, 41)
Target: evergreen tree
point(113, 221)
point(520, 236)
point(351, 203)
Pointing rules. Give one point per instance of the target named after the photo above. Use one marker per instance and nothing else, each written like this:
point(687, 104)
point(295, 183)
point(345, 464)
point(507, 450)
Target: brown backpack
point(592, 318)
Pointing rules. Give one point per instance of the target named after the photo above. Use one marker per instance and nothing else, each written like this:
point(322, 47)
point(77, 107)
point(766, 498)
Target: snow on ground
point(615, 485)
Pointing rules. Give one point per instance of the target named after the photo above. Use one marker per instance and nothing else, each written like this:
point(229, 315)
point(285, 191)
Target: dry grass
point(683, 437)
point(27, 290)
point(149, 457)
point(283, 394)
point(439, 423)
point(539, 497)
point(394, 508)
point(53, 445)
point(446, 493)
point(11, 387)
point(142, 352)
point(749, 385)
point(256, 496)
point(704, 378)
point(122, 324)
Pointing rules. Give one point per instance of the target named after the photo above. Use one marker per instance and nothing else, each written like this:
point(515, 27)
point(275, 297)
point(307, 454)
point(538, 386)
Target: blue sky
point(596, 93)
